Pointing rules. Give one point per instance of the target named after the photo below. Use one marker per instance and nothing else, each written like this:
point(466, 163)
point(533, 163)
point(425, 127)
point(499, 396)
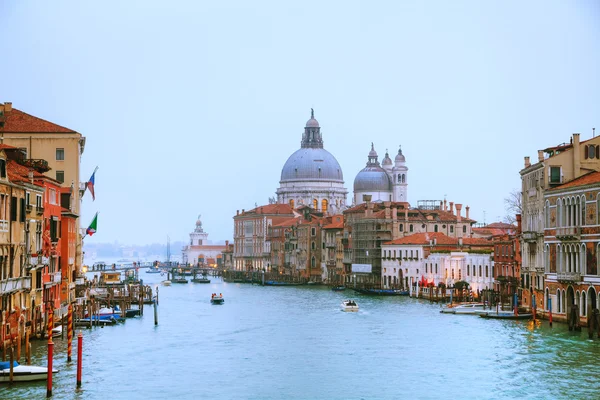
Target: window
point(410, 228)
point(60, 176)
point(313, 231)
point(401, 227)
point(2, 168)
point(22, 215)
point(313, 246)
point(451, 228)
point(315, 204)
point(313, 262)
point(13, 208)
point(468, 270)
point(38, 201)
point(464, 229)
point(60, 154)
point(52, 196)
point(324, 205)
point(555, 175)
point(486, 271)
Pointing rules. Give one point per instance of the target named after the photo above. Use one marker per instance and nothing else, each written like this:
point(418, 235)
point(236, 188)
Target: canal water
point(295, 343)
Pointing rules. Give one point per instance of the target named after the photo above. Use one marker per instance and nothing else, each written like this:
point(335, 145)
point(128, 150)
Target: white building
point(312, 176)
point(433, 257)
point(199, 251)
point(382, 183)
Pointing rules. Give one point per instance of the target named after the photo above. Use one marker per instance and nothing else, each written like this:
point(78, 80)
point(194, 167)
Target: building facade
point(199, 252)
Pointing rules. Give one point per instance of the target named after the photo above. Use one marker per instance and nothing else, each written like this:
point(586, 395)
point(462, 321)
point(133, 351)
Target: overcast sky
point(193, 107)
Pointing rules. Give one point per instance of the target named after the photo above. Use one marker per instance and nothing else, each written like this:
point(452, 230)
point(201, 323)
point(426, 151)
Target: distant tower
point(400, 177)
point(387, 163)
point(198, 237)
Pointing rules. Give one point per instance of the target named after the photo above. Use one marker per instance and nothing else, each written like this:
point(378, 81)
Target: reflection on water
point(295, 343)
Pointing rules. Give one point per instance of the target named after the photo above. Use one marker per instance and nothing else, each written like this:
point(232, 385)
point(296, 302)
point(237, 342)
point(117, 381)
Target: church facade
point(312, 176)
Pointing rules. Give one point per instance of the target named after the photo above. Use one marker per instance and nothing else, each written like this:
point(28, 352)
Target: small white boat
point(57, 331)
point(23, 373)
point(465, 308)
point(349, 305)
point(166, 283)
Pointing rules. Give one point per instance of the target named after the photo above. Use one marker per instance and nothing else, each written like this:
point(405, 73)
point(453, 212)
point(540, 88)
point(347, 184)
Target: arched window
point(313, 262)
point(435, 228)
point(480, 271)
point(451, 228)
point(292, 203)
point(403, 178)
point(315, 204)
point(399, 178)
point(474, 273)
point(401, 227)
point(324, 205)
point(468, 270)
point(547, 214)
point(313, 246)
point(464, 229)
point(486, 271)
point(410, 228)
point(583, 304)
point(583, 222)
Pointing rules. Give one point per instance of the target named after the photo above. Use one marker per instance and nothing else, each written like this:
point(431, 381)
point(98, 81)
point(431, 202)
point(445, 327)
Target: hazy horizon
point(193, 108)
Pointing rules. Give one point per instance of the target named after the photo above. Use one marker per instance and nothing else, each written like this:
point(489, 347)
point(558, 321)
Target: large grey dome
point(372, 178)
point(312, 164)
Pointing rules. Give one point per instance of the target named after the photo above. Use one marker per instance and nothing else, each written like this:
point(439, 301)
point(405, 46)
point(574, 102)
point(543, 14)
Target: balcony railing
point(530, 236)
point(568, 276)
point(39, 210)
point(570, 233)
point(330, 244)
point(15, 284)
point(55, 279)
point(28, 208)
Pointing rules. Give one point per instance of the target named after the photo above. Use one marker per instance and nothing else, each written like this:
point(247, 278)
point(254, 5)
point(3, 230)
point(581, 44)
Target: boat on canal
point(217, 298)
point(506, 314)
point(166, 283)
point(338, 288)
point(382, 292)
point(465, 308)
point(23, 373)
point(349, 306)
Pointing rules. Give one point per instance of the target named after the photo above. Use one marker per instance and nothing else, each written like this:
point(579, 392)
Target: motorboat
point(153, 270)
point(217, 299)
point(338, 288)
point(382, 292)
point(166, 283)
point(200, 280)
point(23, 373)
point(465, 308)
point(349, 305)
point(505, 314)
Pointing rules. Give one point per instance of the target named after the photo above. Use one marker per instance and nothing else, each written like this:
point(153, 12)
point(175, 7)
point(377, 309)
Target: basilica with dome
point(312, 176)
point(385, 182)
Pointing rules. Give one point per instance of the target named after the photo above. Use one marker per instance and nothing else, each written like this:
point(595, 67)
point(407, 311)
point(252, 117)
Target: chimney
point(242, 210)
point(445, 205)
point(527, 163)
point(467, 212)
point(30, 174)
point(576, 157)
point(452, 207)
point(237, 212)
point(227, 243)
point(458, 208)
point(540, 155)
point(7, 106)
point(387, 210)
point(394, 214)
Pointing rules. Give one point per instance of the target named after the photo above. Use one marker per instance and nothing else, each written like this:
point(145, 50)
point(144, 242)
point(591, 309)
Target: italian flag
point(93, 226)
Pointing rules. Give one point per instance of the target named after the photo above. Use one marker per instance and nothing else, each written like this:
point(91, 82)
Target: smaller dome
point(312, 123)
point(386, 160)
point(372, 178)
point(400, 157)
point(372, 153)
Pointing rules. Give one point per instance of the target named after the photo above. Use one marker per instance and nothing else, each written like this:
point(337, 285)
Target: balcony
point(28, 208)
point(330, 244)
point(11, 285)
point(39, 210)
point(571, 233)
point(530, 236)
point(570, 277)
point(55, 279)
